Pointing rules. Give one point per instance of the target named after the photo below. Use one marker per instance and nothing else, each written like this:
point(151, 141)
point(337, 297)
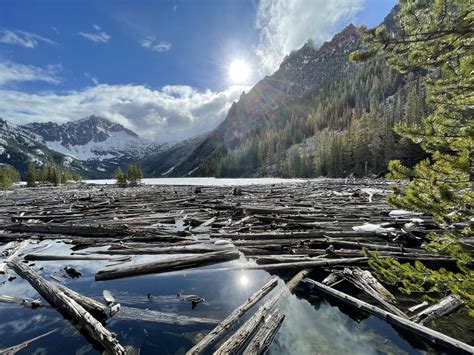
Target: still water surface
point(312, 324)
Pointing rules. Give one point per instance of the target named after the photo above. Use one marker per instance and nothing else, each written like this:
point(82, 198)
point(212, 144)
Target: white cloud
point(12, 72)
point(92, 78)
point(23, 38)
point(286, 25)
point(98, 36)
point(151, 43)
point(170, 114)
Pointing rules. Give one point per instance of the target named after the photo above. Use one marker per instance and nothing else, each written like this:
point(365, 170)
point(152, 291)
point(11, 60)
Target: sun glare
point(239, 71)
point(244, 280)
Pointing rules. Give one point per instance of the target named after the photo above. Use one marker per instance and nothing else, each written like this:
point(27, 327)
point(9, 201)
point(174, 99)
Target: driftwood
point(148, 315)
point(16, 348)
point(444, 307)
point(248, 329)
point(70, 308)
point(167, 265)
point(233, 318)
point(11, 250)
point(415, 328)
point(45, 257)
point(23, 301)
point(265, 335)
point(363, 280)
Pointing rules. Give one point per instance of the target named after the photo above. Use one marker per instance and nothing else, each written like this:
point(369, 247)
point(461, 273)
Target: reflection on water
point(310, 327)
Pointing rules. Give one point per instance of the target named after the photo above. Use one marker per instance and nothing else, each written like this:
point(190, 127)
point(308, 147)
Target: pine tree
point(31, 176)
point(435, 37)
point(120, 178)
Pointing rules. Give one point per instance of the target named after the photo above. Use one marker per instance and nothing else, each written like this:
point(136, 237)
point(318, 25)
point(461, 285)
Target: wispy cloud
point(92, 78)
point(13, 72)
point(155, 46)
point(97, 36)
point(23, 38)
point(169, 114)
point(286, 25)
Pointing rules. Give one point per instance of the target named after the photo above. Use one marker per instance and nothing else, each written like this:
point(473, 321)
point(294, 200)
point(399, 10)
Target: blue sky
point(158, 67)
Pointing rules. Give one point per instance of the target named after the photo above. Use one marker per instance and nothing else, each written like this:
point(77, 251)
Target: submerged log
point(265, 335)
point(445, 306)
point(167, 265)
point(70, 308)
point(248, 329)
point(233, 318)
point(16, 348)
point(420, 330)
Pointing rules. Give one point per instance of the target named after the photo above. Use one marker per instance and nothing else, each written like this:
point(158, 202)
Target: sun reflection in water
point(244, 280)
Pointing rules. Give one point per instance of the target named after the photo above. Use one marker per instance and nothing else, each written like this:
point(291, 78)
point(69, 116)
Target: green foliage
point(8, 176)
point(51, 174)
point(435, 37)
point(132, 177)
point(31, 176)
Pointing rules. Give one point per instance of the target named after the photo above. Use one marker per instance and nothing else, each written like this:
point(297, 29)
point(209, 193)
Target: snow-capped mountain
point(93, 139)
point(20, 147)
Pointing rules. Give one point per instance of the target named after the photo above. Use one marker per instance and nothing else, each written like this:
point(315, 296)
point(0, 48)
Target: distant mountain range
point(318, 114)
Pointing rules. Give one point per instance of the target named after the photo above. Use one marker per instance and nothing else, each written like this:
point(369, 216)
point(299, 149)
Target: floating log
point(148, 315)
point(233, 318)
point(10, 251)
point(93, 306)
point(316, 262)
point(363, 280)
point(444, 307)
point(65, 229)
point(167, 265)
point(16, 348)
point(233, 344)
point(23, 301)
point(70, 308)
point(420, 330)
point(265, 335)
point(45, 257)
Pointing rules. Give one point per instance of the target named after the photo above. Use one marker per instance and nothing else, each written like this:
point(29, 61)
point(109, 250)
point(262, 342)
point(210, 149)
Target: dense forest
point(343, 129)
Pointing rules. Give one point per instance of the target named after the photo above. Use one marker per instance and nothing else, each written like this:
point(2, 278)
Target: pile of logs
point(322, 226)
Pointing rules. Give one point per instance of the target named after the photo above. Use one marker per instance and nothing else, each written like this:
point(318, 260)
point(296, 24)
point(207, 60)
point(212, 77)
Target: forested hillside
point(318, 115)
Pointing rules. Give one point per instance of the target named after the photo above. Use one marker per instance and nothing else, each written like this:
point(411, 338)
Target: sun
point(239, 71)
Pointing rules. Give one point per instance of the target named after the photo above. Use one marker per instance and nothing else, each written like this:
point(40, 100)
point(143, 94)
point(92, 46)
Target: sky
point(167, 69)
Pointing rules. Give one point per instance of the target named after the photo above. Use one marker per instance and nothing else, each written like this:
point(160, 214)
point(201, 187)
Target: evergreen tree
point(120, 177)
point(31, 176)
point(435, 37)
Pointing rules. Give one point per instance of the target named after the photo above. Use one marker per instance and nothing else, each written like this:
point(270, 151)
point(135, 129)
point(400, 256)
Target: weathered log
point(248, 329)
point(65, 229)
point(332, 279)
point(316, 262)
point(148, 315)
point(45, 257)
point(16, 348)
point(265, 335)
point(233, 318)
point(93, 306)
point(70, 308)
point(363, 280)
point(11, 250)
point(420, 330)
point(167, 265)
point(445, 306)
point(23, 301)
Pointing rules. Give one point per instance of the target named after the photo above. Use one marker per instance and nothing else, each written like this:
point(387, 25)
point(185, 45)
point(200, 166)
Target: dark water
point(313, 325)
